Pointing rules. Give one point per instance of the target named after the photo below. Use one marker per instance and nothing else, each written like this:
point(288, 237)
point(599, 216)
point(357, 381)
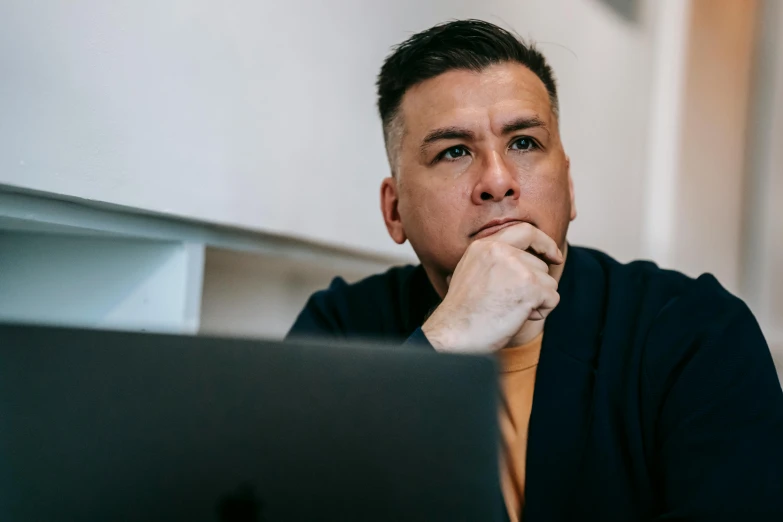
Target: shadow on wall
point(251, 295)
point(627, 9)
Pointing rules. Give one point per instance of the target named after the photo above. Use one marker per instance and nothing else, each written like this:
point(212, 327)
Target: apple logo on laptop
point(240, 505)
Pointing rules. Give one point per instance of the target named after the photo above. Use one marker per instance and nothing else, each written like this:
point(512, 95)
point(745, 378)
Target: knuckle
point(525, 275)
point(496, 248)
point(527, 230)
point(538, 264)
point(549, 281)
point(476, 245)
point(527, 227)
point(480, 247)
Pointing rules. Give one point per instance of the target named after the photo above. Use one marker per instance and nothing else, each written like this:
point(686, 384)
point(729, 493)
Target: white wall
point(711, 173)
point(261, 114)
point(762, 252)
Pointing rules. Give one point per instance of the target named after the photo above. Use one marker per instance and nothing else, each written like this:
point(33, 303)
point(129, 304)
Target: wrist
point(438, 335)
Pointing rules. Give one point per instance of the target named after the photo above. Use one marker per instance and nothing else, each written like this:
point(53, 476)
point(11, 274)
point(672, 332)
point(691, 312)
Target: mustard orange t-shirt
point(517, 380)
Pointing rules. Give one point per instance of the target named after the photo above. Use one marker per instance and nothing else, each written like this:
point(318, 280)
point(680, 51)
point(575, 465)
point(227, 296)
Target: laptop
point(118, 426)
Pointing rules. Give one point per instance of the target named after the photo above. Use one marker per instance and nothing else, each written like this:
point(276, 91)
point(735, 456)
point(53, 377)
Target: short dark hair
point(461, 44)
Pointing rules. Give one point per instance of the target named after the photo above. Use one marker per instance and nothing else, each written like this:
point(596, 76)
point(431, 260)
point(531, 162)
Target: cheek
point(545, 179)
point(546, 190)
point(428, 209)
point(546, 193)
point(434, 218)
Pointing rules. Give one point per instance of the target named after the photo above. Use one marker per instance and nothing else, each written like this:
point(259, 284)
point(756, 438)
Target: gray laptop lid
point(121, 426)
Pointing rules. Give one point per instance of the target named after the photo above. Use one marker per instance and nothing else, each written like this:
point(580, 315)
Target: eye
point(453, 153)
point(524, 143)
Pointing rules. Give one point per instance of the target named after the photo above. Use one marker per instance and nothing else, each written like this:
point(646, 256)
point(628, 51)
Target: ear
point(389, 208)
point(572, 194)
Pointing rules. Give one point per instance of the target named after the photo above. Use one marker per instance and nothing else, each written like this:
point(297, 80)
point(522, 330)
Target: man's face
point(477, 148)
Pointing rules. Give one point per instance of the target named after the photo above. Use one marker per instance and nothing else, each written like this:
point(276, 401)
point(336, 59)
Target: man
point(655, 394)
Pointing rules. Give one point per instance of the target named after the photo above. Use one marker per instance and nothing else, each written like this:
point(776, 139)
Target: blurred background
point(201, 167)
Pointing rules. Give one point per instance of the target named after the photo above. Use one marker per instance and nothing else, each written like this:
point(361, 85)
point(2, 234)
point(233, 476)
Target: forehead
point(469, 97)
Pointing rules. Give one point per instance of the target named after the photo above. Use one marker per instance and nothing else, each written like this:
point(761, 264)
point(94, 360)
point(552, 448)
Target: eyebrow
point(446, 133)
point(524, 123)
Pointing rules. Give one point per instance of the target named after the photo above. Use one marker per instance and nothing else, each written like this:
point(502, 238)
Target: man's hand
point(497, 286)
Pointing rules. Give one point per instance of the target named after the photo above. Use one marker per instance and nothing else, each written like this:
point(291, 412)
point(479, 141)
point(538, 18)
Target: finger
point(525, 236)
point(531, 261)
point(550, 299)
point(546, 281)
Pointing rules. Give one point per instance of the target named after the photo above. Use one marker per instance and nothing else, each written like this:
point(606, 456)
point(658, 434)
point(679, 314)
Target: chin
point(439, 262)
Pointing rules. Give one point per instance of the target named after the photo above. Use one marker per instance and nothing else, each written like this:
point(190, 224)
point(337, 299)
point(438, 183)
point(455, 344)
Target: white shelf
point(82, 263)
point(102, 282)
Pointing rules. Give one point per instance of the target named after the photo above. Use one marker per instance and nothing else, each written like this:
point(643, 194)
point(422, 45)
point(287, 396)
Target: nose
point(496, 181)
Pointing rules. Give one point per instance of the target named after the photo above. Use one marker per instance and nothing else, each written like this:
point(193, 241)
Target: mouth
point(493, 227)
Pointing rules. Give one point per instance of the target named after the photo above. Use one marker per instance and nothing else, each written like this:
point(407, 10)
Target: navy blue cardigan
point(656, 397)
